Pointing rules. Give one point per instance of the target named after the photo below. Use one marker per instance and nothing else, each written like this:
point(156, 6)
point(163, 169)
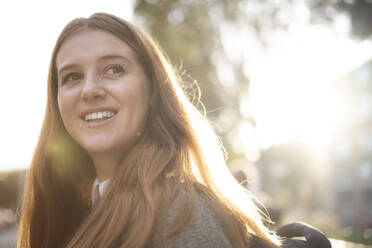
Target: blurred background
point(287, 85)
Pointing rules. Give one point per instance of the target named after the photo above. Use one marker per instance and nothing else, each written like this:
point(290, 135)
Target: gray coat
point(202, 230)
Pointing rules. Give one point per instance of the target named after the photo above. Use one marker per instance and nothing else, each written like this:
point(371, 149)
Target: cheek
point(143, 100)
point(135, 103)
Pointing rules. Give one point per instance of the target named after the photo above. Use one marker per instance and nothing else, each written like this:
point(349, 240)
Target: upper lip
point(97, 109)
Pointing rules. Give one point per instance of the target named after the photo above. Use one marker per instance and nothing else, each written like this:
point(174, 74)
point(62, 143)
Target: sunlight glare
point(289, 86)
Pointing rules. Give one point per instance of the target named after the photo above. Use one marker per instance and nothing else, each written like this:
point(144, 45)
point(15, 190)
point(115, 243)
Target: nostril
point(93, 93)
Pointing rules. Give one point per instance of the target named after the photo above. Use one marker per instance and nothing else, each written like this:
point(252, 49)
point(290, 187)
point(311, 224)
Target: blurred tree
point(199, 37)
point(190, 32)
point(359, 12)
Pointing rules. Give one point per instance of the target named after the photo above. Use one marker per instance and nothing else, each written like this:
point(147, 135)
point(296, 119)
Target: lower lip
point(98, 122)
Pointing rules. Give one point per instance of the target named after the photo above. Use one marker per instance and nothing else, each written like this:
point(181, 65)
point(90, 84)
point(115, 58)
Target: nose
point(93, 88)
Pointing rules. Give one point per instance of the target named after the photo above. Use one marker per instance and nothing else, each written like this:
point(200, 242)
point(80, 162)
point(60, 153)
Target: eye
point(115, 69)
point(71, 77)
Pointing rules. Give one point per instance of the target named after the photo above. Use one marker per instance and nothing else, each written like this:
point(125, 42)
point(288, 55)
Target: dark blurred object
point(313, 237)
point(275, 214)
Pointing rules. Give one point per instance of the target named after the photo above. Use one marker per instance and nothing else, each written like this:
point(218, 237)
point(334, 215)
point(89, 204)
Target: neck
point(104, 165)
point(106, 162)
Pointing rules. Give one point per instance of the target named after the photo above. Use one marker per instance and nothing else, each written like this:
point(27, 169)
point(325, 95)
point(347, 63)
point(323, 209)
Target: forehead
point(90, 44)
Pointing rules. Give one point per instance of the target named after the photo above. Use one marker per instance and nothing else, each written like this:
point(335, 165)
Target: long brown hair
point(177, 153)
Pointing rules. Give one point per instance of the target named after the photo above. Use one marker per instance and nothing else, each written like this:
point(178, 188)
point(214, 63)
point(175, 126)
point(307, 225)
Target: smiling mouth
point(96, 116)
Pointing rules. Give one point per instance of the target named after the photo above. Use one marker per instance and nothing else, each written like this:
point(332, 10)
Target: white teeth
point(99, 115)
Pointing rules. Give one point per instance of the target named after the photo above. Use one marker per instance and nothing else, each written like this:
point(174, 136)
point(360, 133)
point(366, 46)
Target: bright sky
point(288, 83)
point(29, 30)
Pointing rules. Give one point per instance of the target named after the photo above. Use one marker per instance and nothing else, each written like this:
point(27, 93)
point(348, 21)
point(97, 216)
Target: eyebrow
point(106, 57)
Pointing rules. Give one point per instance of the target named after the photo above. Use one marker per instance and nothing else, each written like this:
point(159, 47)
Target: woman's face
point(103, 92)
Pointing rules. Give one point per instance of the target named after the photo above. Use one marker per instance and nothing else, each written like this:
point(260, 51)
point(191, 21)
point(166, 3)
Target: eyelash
point(110, 67)
point(67, 76)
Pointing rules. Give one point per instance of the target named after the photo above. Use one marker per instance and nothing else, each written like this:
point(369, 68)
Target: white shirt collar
point(101, 188)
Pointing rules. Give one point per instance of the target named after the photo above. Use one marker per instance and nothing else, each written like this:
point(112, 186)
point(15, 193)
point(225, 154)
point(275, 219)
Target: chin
point(99, 149)
point(104, 149)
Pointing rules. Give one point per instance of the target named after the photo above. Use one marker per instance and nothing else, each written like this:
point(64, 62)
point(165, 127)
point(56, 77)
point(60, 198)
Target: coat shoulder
point(203, 228)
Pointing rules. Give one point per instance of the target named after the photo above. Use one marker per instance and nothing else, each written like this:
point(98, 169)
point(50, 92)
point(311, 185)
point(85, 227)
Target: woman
point(124, 159)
